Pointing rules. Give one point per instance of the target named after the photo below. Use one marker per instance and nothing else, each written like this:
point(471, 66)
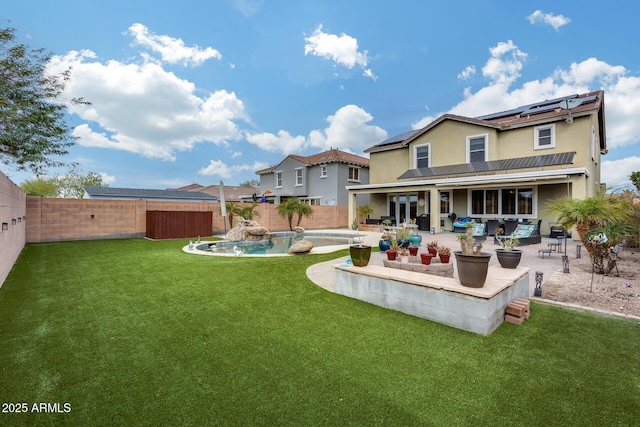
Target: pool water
point(278, 245)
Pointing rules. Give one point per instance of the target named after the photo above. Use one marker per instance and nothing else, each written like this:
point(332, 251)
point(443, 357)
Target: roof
point(330, 156)
point(190, 187)
point(231, 192)
point(547, 111)
point(138, 193)
point(556, 159)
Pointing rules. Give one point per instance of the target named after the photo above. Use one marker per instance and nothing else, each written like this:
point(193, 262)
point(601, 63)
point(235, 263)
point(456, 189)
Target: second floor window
point(354, 174)
point(477, 148)
point(278, 179)
point(421, 155)
point(545, 137)
point(298, 176)
point(323, 171)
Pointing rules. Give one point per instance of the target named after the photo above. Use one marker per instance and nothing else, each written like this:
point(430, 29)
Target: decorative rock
point(298, 230)
point(301, 247)
point(247, 230)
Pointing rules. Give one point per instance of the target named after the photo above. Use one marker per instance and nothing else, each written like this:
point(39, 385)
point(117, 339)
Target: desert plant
point(363, 212)
point(444, 250)
point(509, 243)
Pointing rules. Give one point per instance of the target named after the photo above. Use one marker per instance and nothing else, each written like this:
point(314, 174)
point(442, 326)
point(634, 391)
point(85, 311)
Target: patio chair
point(510, 226)
point(492, 224)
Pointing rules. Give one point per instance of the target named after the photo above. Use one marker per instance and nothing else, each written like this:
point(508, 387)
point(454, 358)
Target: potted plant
point(432, 247)
point(508, 256)
point(426, 258)
point(472, 263)
point(402, 236)
point(392, 252)
point(385, 242)
point(413, 250)
point(415, 238)
point(360, 254)
point(404, 255)
point(385, 224)
point(363, 213)
point(444, 253)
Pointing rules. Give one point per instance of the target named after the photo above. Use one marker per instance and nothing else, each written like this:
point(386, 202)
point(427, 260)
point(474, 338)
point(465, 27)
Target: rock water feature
point(246, 232)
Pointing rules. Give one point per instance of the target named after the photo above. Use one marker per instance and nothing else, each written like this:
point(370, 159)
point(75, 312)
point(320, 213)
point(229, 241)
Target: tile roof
point(330, 156)
point(139, 193)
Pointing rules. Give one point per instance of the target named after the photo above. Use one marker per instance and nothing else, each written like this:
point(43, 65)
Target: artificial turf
point(136, 332)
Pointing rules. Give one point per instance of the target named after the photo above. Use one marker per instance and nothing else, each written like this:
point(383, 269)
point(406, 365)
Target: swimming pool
point(278, 245)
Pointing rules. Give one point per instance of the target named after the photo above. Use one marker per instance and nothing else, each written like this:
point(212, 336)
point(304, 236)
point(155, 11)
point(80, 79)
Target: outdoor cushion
point(478, 229)
point(524, 230)
point(461, 222)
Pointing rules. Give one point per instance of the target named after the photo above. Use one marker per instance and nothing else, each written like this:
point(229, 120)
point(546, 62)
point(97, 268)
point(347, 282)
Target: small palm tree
point(249, 212)
point(591, 215)
point(292, 207)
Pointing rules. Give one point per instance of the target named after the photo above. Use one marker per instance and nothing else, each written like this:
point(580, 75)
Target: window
point(354, 174)
point(445, 202)
point(477, 148)
point(278, 179)
point(545, 137)
point(298, 176)
point(508, 201)
point(323, 171)
point(421, 156)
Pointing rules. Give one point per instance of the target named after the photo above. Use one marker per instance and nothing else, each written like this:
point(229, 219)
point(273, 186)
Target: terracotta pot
point(444, 258)
point(426, 258)
point(433, 251)
point(391, 254)
point(413, 250)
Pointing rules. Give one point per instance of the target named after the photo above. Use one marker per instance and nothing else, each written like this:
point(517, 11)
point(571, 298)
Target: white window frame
point(485, 136)
point(323, 171)
point(552, 137)
point(357, 172)
point(415, 154)
point(299, 177)
point(278, 179)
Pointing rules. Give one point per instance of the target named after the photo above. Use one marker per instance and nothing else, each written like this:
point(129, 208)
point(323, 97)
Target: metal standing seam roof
point(556, 159)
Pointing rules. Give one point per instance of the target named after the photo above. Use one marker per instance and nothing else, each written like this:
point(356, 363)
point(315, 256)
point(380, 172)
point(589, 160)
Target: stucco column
point(351, 208)
point(434, 212)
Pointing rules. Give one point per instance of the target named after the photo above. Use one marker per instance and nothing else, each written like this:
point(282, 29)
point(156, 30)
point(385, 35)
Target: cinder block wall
point(53, 220)
point(13, 218)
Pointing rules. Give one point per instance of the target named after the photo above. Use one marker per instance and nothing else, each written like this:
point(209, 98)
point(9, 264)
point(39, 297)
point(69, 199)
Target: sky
point(198, 92)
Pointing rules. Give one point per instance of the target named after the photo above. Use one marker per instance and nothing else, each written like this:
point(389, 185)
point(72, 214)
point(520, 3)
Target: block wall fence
point(12, 224)
point(51, 220)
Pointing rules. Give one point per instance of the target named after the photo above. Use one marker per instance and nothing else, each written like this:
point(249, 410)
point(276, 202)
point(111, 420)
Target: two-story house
point(505, 165)
point(320, 179)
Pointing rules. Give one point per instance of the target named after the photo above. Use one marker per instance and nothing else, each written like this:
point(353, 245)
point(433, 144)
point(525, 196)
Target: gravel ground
point(618, 294)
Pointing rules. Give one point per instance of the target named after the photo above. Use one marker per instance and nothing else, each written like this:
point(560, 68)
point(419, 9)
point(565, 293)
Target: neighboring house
point(506, 165)
point(113, 193)
point(232, 193)
point(320, 179)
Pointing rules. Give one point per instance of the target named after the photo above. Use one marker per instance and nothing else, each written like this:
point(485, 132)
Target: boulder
point(247, 230)
point(301, 247)
point(298, 230)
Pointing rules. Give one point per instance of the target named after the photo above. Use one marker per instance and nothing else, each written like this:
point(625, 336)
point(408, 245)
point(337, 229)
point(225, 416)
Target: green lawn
point(134, 332)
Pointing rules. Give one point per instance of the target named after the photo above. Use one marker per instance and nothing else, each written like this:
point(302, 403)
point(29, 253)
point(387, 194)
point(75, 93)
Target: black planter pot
point(509, 259)
point(472, 269)
point(360, 255)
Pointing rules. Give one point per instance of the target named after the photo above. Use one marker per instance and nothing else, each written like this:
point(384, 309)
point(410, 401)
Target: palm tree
point(249, 212)
point(595, 214)
point(292, 207)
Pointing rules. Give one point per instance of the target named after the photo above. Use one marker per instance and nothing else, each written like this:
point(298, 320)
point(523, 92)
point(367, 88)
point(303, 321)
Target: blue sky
point(195, 91)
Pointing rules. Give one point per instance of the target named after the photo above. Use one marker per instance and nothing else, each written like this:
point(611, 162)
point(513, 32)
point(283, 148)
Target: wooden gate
point(178, 224)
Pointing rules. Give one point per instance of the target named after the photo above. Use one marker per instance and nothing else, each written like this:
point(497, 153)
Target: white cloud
point(348, 130)
point(247, 7)
point(144, 109)
point(617, 172)
point(342, 50)
point(172, 50)
point(107, 179)
point(221, 169)
point(467, 73)
point(556, 21)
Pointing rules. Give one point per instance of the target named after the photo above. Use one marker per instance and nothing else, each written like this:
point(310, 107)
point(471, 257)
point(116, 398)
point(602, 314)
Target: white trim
point(486, 146)
point(275, 175)
point(552, 136)
point(415, 154)
point(325, 169)
point(301, 177)
point(512, 177)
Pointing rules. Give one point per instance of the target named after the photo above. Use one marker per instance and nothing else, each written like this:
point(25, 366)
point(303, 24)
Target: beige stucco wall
point(13, 214)
point(387, 166)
